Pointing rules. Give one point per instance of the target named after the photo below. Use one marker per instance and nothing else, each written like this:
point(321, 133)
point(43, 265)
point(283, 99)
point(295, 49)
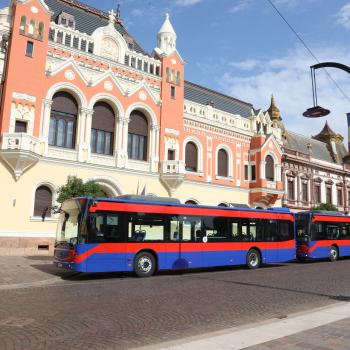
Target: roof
point(88, 18)
point(300, 143)
point(204, 96)
point(167, 27)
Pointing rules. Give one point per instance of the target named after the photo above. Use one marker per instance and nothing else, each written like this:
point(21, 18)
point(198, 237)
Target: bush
point(326, 206)
point(75, 187)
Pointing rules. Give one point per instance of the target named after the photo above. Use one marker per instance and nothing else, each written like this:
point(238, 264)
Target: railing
point(173, 167)
point(20, 141)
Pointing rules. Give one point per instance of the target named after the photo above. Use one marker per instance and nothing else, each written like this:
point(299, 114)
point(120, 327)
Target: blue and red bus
point(322, 234)
point(145, 235)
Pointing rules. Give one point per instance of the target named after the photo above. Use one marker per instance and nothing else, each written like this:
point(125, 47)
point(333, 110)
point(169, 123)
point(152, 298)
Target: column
point(119, 141)
point(45, 123)
point(83, 133)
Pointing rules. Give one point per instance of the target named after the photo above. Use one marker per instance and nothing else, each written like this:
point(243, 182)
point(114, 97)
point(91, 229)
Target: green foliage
point(75, 187)
point(326, 206)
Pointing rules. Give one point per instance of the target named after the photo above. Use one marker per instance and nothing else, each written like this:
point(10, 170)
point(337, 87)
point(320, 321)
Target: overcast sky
point(244, 49)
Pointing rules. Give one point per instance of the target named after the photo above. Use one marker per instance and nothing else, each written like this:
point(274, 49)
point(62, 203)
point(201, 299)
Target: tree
point(75, 187)
point(326, 206)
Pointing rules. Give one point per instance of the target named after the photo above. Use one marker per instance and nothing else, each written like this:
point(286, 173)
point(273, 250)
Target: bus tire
point(144, 264)
point(253, 259)
point(333, 253)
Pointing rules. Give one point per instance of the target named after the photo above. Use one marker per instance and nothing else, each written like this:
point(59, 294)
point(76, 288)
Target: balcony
point(19, 151)
point(172, 174)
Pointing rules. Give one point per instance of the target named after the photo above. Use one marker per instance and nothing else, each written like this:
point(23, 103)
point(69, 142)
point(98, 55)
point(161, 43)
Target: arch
point(111, 100)
point(63, 120)
point(199, 149)
point(111, 186)
point(142, 107)
point(138, 136)
point(269, 168)
point(69, 88)
point(192, 201)
point(48, 184)
point(229, 154)
point(43, 198)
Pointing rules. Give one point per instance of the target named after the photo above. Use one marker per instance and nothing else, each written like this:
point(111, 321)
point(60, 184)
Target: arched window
point(22, 26)
point(63, 120)
point(41, 31)
point(269, 168)
point(222, 163)
point(138, 136)
point(102, 129)
point(191, 202)
point(191, 157)
point(223, 205)
point(43, 199)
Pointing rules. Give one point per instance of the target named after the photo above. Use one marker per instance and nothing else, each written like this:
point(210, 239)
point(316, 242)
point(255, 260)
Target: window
point(317, 194)
point(63, 120)
point(344, 230)
point(222, 163)
point(66, 19)
point(172, 92)
point(269, 168)
point(43, 199)
point(20, 126)
point(328, 194)
point(190, 229)
point(340, 197)
point(31, 27)
point(215, 229)
point(305, 192)
point(102, 129)
point(41, 31)
point(291, 189)
point(29, 49)
point(60, 38)
point(253, 173)
point(146, 227)
point(178, 78)
point(191, 157)
point(22, 26)
point(246, 172)
point(171, 154)
point(138, 136)
point(105, 227)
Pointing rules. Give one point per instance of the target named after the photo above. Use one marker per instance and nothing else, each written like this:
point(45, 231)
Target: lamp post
point(318, 111)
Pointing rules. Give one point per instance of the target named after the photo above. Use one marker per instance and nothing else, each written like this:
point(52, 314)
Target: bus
point(149, 234)
point(322, 234)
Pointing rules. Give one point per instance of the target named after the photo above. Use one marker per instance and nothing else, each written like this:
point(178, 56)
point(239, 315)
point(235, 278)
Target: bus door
point(191, 243)
point(271, 245)
point(106, 243)
point(344, 244)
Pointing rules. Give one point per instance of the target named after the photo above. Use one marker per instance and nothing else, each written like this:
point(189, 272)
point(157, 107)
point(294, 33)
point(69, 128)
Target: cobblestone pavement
point(335, 336)
point(117, 311)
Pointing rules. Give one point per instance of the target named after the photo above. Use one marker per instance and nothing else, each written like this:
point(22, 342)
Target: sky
point(243, 48)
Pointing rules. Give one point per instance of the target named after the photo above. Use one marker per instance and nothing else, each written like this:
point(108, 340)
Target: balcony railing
point(20, 141)
point(173, 167)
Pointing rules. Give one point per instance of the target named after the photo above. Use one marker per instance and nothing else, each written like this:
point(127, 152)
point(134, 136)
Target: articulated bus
point(131, 233)
point(322, 234)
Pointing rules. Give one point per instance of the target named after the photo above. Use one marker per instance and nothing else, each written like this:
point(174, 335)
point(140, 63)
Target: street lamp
point(318, 111)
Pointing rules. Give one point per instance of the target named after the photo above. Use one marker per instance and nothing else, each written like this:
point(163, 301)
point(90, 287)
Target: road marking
point(262, 332)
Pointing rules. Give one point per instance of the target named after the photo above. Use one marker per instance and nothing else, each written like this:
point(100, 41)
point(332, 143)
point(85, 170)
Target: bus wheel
point(253, 259)
point(144, 264)
point(333, 253)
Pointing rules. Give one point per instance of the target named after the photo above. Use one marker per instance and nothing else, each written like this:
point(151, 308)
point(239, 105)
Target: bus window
point(235, 230)
point(270, 234)
point(105, 227)
point(345, 230)
point(332, 231)
point(174, 229)
point(317, 231)
point(285, 231)
point(145, 227)
point(215, 229)
point(256, 230)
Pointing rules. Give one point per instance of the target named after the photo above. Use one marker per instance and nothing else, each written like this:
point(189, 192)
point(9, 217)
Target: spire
point(166, 37)
point(274, 112)
point(117, 16)
point(327, 134)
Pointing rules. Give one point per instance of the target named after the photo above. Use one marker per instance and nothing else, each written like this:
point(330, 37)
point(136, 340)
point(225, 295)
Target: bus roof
point(322, 212)
point(176, 203)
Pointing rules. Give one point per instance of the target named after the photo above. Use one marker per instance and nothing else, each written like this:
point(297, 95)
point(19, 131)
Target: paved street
point(55, 310)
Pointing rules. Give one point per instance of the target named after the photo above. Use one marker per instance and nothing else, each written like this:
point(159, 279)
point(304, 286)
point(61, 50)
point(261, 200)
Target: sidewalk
point(322, 329)
point(25, 271)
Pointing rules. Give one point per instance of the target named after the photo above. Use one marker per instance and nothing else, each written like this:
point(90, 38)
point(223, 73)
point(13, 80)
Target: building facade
point(80, 96)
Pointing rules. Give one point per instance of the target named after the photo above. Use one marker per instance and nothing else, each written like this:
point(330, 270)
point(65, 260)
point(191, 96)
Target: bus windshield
point(69, 221)
point(302, 228)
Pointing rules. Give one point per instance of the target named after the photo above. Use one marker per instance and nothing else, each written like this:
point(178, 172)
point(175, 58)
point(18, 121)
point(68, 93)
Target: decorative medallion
point(108, 85)
point(142, 96)
point(34, 9)
point(69, 75)
point(173, 61)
